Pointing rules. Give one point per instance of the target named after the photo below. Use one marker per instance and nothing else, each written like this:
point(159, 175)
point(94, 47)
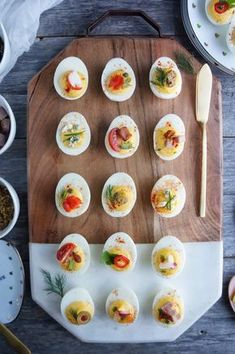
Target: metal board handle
point(124, 13)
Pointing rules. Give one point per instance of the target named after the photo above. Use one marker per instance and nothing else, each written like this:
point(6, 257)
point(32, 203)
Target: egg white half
point(80, 241)
point(210, 18)
point(130, 124)
point(111, 66)
point(123, 179)
point(75, 294)
point(181, 194)
point(169, 242)
point(163, 293)
point(123, 293)
point(126, 243)
point(80, 183)
point(165, 63)
point(178, 125)
point(80, 120)
point(67, 64)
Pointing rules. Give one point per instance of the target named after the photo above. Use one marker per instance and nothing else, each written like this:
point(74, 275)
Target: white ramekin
point(16, 204)
point(7, 49)
point(12, 133)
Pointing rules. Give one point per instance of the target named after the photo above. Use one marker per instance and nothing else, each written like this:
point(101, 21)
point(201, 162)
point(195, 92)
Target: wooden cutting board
point(47, 164)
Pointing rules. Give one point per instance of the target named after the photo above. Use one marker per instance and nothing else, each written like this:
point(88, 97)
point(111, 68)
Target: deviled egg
point(71, 78)
point(219, 12)
point(73, 254)
point(119, 252)
point(119, 195)
point(169, 137)
point(165, 78)
point(118, 80)
point(168, 308)
point(72, 195)
point(230, 38)
point(168, 257)
point(122, 306)
point(73, 134)
point(168, 196)
point(77, 306)
point(122, 137)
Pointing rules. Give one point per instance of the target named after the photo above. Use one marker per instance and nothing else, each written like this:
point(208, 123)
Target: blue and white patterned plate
point(209, 39)
point(11, 282)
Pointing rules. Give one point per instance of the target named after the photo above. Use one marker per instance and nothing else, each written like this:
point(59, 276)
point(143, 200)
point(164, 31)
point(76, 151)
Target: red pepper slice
point(113, 139)
point(116, 82)
point(121, 261)
point(221, 7)
point(71, 202)
point(65, 251)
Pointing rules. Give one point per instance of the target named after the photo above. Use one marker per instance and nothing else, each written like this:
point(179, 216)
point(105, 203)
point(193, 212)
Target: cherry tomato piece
point(71, 202)
point(65, 251)
point(121, 261)
point(113, 139)
point(221, 7)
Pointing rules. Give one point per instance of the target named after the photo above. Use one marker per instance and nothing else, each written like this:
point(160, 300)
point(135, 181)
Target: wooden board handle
point(203, 173)
point(125, 13)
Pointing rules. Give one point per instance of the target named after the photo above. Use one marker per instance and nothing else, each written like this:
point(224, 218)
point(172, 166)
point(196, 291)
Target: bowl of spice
point(5, 51)
point(9, 207)
point(7, 125)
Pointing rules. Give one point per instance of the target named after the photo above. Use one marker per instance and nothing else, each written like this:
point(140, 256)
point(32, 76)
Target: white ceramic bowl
point(7, 49)
point(11, 137)
point(16, 204)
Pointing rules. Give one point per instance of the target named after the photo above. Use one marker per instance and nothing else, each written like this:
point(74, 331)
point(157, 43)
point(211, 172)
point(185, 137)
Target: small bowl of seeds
point(9, 207)
point(7, 125)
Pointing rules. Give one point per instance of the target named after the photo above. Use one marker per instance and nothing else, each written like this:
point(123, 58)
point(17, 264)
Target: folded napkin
point(21, 21)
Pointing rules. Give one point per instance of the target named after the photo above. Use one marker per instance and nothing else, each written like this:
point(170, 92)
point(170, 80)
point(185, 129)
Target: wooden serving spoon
point(203, 98)
point(231, 292)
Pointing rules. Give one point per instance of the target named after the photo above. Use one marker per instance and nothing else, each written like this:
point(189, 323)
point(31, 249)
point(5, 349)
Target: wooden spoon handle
point(14, 342)
point(203, 172)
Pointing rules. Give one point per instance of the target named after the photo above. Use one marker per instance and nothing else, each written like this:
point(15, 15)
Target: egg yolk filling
point(168, 310)
point(121, 139)
point(118, 82)
point(220, 11)
point(119, 198)
point(168, 140)
point(165, 79)
point(122, 311)
point(79, 312)
point(73, 83)
point(71, 257)
point(164, 200)
point(118, 258)
point(167, 261)
point(71, 198)
point(72, 136)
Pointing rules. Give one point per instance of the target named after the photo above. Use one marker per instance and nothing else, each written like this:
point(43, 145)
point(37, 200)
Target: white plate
point(209, 39)
point(11, 282)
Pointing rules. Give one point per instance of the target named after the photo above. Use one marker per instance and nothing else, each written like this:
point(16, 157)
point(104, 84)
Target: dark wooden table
point(215, 331)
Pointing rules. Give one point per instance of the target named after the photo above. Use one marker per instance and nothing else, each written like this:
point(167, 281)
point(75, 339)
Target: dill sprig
point(55, 285)
point(109, 192)
point(169, 200)
point(160, 77)
point(184, 63)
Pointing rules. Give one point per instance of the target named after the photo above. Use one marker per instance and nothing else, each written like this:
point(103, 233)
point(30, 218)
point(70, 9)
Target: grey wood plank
point(214, 332)
point(72, 17)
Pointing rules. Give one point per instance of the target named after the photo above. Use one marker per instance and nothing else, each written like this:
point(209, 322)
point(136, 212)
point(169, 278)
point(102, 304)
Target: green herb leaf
point(109, 192)
point(126, 145)
point(170, 198)
point(71, 264)
point(74, 314)
point(107, 258)
point(160, 77)
point(231, 3)
point(55, 285)
point(74, 134)
point(184, 63)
